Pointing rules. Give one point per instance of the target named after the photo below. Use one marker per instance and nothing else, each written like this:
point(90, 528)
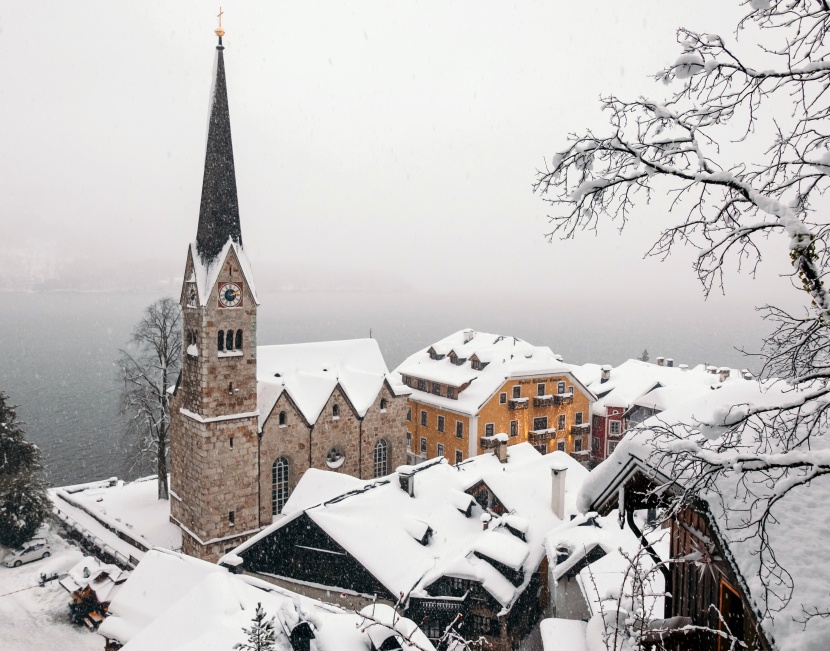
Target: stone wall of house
point(388, 424)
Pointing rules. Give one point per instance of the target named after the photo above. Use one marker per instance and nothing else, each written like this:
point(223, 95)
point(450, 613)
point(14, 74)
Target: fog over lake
point(61, 348)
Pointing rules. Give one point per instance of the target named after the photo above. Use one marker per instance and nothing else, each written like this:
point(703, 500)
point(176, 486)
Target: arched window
point(279, 485)
point(381, 458)
point(335, 411)
point(220, 341)
point(239, 340)
point(282, 418)
point(383, 404)
point(229, 340)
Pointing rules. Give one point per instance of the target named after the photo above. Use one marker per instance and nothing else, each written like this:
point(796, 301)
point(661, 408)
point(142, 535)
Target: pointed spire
point(219, 210)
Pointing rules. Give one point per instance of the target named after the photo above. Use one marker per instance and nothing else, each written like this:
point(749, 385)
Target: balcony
point(537, 436)
point(543, 401)
point(579, 430)
point(563, 399)
point(517, 404)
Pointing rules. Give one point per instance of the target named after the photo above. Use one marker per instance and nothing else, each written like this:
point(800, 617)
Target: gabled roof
point(506, 358)
point(796, 533)
point(376, 525)
point(309, 373)
point(206, 273)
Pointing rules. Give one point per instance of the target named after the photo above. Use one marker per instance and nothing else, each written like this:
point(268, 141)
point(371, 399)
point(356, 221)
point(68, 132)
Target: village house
point(718, 581)
point(471, 386)
point(635, 390)
point(448, 545)
point(246, 420)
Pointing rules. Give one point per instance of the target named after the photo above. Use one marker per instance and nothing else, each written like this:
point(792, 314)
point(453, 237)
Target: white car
point(31, 551)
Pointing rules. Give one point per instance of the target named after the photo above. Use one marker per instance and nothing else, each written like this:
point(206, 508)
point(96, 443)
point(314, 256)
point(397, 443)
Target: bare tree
point(149, 366)
point(723, 105)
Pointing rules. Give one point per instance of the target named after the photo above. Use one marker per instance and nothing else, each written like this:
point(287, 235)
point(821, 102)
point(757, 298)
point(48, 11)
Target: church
point(247, 421)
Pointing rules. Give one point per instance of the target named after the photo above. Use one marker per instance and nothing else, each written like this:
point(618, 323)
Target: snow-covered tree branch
point(741, 145)
point(148, 367)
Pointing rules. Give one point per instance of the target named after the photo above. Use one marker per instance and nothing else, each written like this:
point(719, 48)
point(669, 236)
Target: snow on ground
point(38, 618)
point(100, 509)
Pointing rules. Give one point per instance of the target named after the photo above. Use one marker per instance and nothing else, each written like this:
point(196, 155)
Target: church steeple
point(219, 210)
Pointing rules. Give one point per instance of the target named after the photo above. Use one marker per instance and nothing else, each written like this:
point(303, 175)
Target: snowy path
point(35, 618)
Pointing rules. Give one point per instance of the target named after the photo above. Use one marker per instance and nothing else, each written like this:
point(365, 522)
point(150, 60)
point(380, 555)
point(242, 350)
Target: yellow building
point(472, 386)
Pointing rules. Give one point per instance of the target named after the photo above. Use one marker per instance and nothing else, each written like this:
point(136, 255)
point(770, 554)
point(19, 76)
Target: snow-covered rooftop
point(505, 358)
point(799, 528)
point(635, 382)
point(179, 603)
point(309, 373)
point(376, 525)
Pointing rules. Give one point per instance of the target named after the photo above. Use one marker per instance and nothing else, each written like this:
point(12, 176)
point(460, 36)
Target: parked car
point(31, 551)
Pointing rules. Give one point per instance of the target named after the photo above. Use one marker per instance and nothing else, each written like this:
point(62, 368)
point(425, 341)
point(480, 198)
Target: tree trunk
point(161, 470)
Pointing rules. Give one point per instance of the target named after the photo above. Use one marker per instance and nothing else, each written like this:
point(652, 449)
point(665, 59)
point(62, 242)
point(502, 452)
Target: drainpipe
point(360, 449)
point(310, 432)
point(629, 515)
point(259, 480)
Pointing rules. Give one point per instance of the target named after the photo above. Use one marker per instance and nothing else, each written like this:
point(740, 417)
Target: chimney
point(501, 448)
point(684, 367)
point(661, 361)
point(485, 521)
point(557, 493)
point(605, 373)
point(468, 335)
point(406, 477)
point(712, 369)
point(723, 372)
point(746, 374)
point(670, 362)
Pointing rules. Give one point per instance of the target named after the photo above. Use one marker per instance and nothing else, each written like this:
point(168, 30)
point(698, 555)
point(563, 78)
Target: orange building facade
point(548, 408)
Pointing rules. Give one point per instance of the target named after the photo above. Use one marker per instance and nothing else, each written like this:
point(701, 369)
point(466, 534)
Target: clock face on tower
point(230, 294)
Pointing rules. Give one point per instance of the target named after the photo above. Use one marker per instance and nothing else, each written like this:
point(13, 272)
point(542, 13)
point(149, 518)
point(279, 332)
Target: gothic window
point(279, 485)
point(229, 340)
point(220, 341)
point(335, 411)
point(381, 458)
point(239, 340)
point(282, 419)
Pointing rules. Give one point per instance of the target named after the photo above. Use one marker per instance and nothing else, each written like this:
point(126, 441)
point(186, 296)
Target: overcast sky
point(394, 141)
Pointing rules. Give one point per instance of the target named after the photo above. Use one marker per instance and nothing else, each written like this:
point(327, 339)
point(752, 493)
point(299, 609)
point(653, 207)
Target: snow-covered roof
point(558, 634)
point(506, 358)
point(310, 372)
point(376, 525)
point(798, 529)
point(635, 382)
point(103, 579)
point(178, 603)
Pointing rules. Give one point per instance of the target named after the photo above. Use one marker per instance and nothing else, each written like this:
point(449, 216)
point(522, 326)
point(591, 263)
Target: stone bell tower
point(213, 413)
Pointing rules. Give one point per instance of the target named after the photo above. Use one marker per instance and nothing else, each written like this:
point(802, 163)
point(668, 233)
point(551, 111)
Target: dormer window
point(451, 392)
point(422, 385)
point(436, 388)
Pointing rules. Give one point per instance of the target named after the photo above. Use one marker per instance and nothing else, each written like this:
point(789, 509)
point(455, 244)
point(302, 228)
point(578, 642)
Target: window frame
point(440, 424)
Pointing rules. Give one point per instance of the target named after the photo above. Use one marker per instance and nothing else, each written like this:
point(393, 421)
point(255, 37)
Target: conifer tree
point(644, 356)
point(261, 634)
point(24, 503)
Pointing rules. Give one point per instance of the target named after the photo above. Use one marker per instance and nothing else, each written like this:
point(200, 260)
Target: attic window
point(335, 411)
point(283, 419)
point(383, 405)
point(450, 392)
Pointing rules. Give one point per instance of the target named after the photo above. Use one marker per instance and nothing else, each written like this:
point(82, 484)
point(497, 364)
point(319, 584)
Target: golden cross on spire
point(219, 31)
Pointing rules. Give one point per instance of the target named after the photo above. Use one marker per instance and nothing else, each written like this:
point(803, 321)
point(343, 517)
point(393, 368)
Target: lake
point(60, 349)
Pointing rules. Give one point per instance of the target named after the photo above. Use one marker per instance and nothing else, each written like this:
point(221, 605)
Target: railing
point(563, 399)
point(541, 435)
point(579, 430)
point(517, 404)
point(543, 401)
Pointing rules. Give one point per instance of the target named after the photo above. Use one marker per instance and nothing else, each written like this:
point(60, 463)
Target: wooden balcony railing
point(543, 401)
point(563, 399)
point(517, 404)
point(579, 430)
point(541, 435)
